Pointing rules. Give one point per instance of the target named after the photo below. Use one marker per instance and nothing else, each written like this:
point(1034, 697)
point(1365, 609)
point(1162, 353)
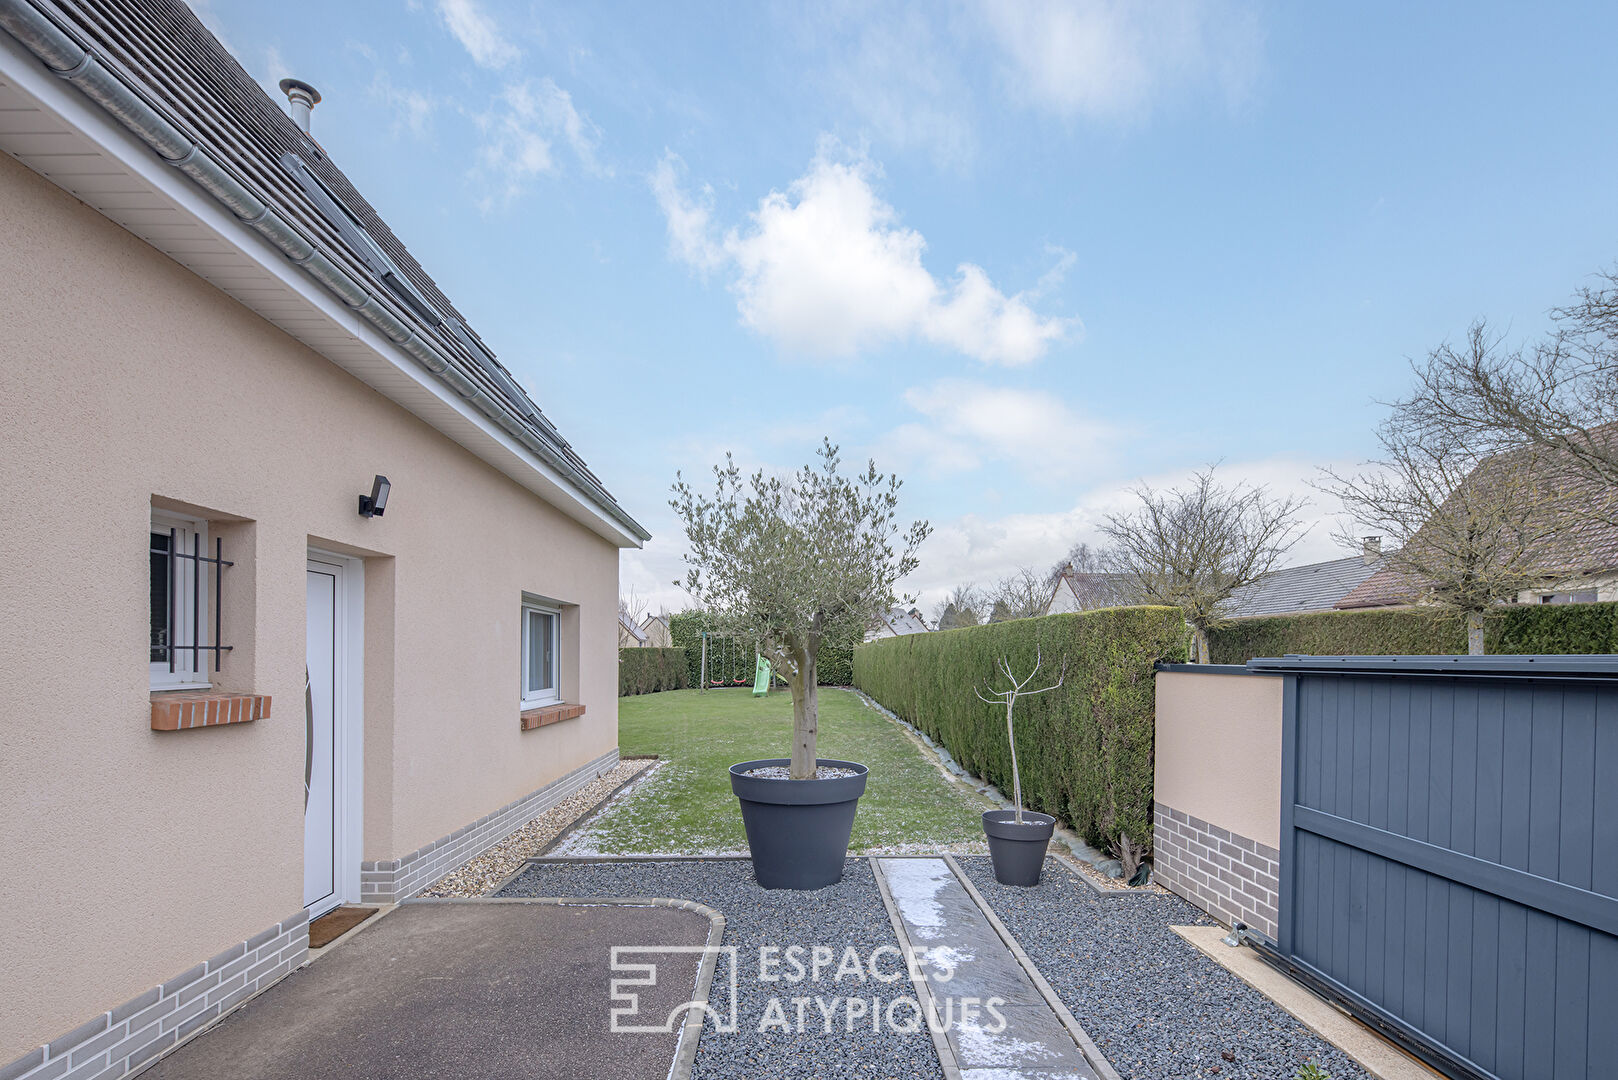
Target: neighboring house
point(1076, 590)
point(1579, 565)
point(1297, 589)
point(656, 629)
point(630, 635)
point(897, 623)
point(211, 345)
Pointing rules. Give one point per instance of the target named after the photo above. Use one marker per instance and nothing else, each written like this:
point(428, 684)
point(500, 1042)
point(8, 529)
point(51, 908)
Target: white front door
point(322, 703)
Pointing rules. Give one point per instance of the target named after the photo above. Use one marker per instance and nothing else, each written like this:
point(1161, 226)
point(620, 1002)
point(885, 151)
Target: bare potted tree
point(790, 564)
point(1017, 837)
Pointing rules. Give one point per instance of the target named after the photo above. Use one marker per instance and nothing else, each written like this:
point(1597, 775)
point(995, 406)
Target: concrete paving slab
point(998, 1024)
point(468, 989)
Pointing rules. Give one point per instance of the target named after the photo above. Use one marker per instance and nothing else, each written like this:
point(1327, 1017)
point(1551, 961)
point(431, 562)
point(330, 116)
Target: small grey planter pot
point(1018, 851)
point(798, 830)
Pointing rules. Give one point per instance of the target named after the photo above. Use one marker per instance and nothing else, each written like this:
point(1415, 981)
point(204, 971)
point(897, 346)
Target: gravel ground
point(477, 876)
point(1157, 1008)
point(849, 913)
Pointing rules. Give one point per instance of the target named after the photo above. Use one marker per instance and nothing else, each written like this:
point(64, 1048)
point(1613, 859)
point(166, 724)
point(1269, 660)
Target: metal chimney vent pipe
point(303, 98)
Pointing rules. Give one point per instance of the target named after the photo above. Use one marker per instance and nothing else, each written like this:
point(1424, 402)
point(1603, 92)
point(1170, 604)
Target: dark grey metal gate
point(1449, 853)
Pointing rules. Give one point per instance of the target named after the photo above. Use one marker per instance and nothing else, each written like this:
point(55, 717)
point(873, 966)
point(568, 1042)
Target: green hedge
point(1085, 750)
point(647, 671)
point(1518, 629)
point(732, 659)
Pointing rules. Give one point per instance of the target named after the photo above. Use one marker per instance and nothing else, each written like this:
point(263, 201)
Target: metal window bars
point(196, 559)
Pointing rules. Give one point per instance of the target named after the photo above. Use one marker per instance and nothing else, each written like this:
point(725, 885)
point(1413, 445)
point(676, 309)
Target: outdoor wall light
point(373, 504)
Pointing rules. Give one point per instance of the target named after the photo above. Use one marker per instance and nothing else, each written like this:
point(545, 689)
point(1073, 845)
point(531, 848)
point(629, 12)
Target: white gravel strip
point(478, 876)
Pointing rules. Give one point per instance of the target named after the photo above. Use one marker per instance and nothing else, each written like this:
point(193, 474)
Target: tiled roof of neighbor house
point(1585, 546)
point(1078, 590)
point(629, 624)
point(899, 622)
point(163, 53)
point(1316, 587)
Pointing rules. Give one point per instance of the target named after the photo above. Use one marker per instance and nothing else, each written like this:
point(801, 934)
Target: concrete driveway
point(463, 989)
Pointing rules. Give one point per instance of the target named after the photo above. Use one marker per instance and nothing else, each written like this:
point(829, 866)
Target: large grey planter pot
point(1018, 851)
point(797, 830)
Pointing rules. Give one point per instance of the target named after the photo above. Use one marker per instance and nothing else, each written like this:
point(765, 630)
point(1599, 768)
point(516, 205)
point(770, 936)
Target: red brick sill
point(549, 714)
point(181, 709)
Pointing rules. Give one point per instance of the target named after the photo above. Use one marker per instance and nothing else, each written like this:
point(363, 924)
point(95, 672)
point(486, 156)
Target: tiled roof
point(1316, 587)
point(161, 50)
point(1588, 545)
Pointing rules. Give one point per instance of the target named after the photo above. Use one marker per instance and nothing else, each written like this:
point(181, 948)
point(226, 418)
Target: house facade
point(377, 588)
point(656, 629)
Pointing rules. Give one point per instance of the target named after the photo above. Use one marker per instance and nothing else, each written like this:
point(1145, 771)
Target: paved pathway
point(965, 959)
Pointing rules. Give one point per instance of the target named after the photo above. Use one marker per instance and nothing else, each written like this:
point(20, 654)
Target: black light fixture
point(373, 504)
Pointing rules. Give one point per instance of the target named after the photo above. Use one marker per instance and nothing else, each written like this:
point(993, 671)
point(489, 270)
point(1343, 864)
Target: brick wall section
point(399, 879)
point(549, 714)
point(1230, 877)
point(125, 1038)
point(179, 710)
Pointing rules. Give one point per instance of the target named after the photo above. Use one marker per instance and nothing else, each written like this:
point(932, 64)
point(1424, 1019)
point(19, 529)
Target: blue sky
point(1027, 254)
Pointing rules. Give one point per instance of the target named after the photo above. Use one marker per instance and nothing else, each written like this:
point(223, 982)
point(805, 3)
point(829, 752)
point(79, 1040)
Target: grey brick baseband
point(1227, 875)
point(128, 1037)
point(399, 879)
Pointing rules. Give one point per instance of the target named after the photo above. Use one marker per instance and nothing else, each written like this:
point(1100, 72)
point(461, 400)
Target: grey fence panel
point(1450, 853)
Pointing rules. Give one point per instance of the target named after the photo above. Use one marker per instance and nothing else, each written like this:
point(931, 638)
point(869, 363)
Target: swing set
point(725, 664)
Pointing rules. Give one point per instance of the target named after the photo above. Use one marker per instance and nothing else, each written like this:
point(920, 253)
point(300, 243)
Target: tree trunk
point(1474, 633)
point(805, 718)
point(1200, 636)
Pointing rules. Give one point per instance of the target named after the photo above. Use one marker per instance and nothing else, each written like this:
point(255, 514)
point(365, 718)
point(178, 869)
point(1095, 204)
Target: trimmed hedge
point(733, 660)
point(1518, 629)
point(647, 671)
point(1085, 750)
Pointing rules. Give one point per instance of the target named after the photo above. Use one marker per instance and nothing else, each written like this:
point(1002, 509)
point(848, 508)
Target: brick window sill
point(549, 714)
point(181, 710)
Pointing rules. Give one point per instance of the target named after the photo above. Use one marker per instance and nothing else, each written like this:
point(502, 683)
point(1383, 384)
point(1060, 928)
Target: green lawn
point(687, 807)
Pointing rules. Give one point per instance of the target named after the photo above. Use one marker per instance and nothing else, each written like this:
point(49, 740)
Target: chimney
point(1371, 548)
point(302, 98)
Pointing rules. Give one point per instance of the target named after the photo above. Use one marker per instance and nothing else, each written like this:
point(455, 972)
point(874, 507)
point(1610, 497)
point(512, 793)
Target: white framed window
point(179, 608)
point(541, 669)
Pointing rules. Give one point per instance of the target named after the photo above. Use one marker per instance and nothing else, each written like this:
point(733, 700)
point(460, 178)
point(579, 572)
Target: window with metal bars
point(185, 595)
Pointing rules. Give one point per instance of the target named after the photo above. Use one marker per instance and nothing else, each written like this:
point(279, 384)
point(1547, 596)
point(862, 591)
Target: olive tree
point(791, 564)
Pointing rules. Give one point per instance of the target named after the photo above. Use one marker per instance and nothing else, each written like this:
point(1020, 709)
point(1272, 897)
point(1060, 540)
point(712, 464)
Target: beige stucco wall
point(129, 854)
point(1218, 753)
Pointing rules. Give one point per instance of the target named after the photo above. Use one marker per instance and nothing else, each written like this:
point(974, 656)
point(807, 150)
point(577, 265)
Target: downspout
point(68, 60)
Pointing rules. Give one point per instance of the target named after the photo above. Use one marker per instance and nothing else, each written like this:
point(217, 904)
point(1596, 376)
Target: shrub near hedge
point(835, 666)
point(648, 671)
point(1518, 629)
point(1085, 750)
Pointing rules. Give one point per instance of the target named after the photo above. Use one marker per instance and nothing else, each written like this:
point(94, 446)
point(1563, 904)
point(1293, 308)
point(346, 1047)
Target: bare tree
point(1471, 527)
point(960, 608)
point(789, 564)
point(1559, 396)
point(1021, 594)
point(1008, 698)
point(1192, 548)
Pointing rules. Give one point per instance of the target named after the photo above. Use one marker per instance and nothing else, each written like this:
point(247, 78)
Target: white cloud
point(519, 130)
point(966, 424)
point(826, 269)
point(412, 109)
point(1112, 59)
point(980, 549)
point(479, 34)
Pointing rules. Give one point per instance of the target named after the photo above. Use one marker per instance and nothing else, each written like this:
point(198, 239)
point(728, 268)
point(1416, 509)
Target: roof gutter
point(69, 60)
